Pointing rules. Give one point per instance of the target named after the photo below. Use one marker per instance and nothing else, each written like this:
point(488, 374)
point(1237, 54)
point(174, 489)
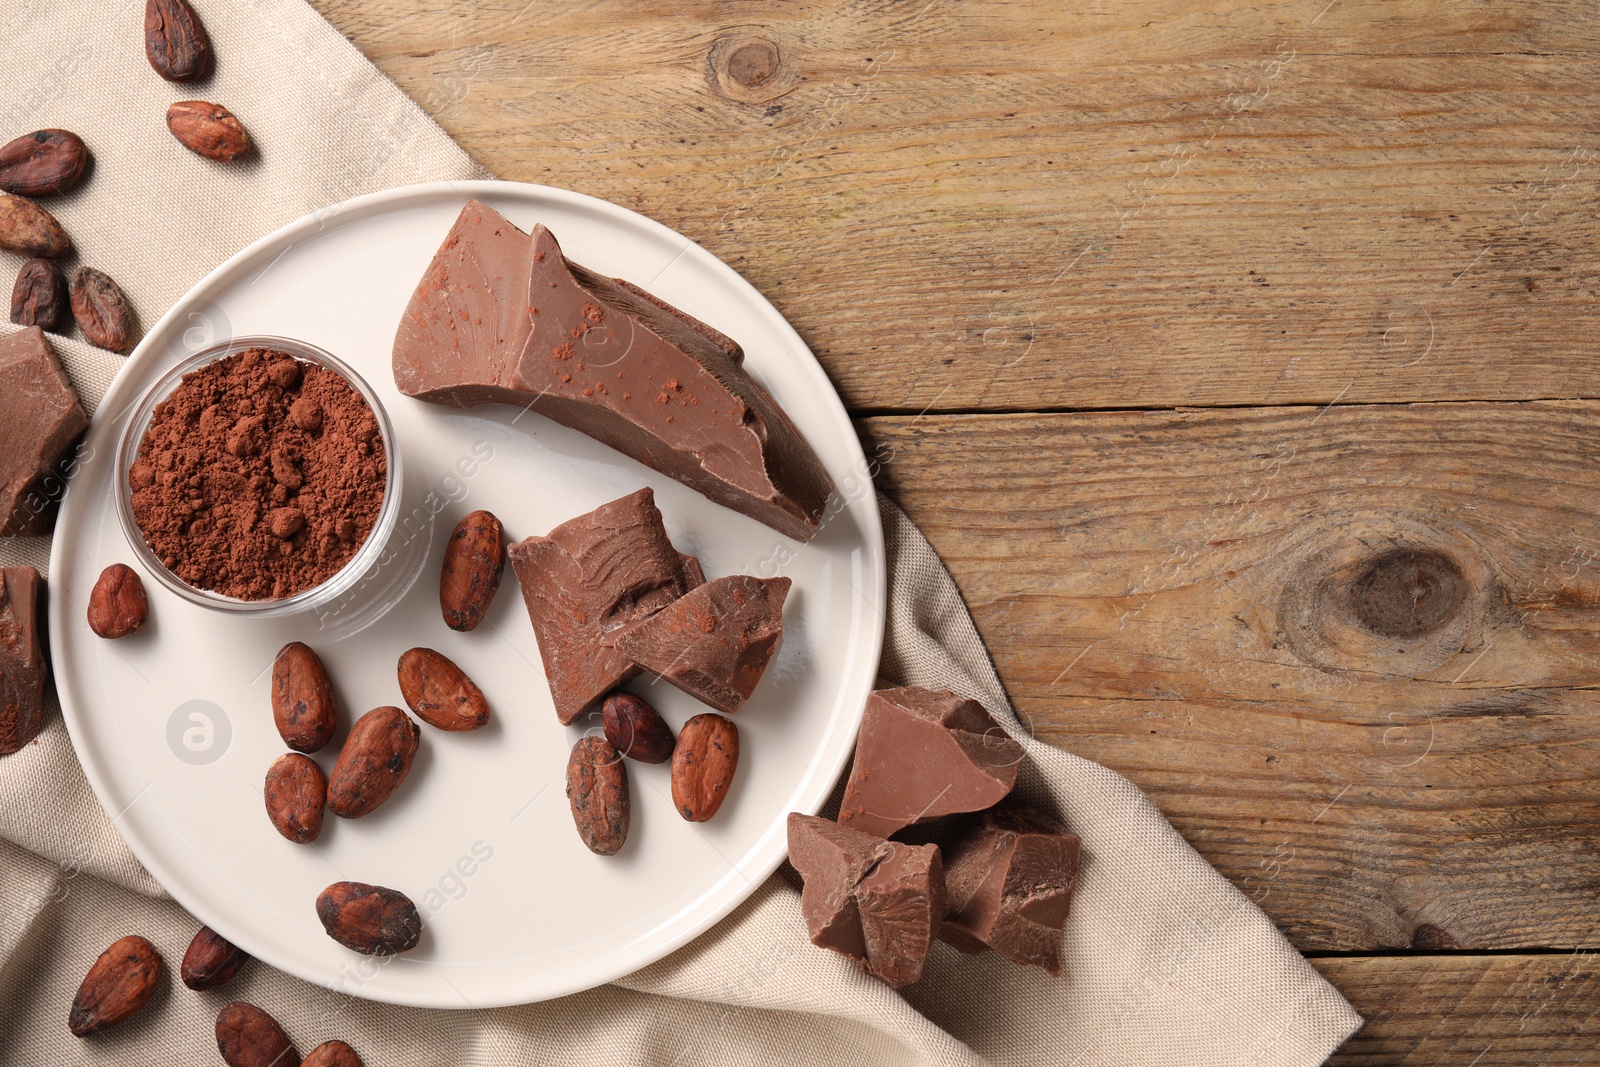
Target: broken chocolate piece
point(24, 670)
point(715, 642)
point(40, 422)
point(591, 576)
point(694, 575)
point(1010, 880)
point(877, 901)
point(923, 754)
point(902, 907)
point(502, 316)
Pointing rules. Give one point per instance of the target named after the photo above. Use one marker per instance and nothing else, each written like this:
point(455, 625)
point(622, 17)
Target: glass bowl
point(365, 558)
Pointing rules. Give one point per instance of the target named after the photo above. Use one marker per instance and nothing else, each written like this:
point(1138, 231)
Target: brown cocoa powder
point(259, 477)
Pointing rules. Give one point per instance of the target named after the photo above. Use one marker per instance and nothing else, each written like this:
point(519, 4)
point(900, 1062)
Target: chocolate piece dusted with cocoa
point(260, 476)
point(590, 577)
point(502, 316)
point(878, 901)
point(40, 423)
point(1010, 879)
point(923, 754)
point(715, 642)
point(24, 670)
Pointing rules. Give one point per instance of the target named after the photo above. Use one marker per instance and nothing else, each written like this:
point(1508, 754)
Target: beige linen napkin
point(1165, 963)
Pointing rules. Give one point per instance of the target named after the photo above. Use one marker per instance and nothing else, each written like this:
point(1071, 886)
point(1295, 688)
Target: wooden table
point(1233, 356)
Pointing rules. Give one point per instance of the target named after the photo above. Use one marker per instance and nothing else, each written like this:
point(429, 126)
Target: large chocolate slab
point(924, 754)
point(715, 642)
point(24, 670)
point(880, 902)
point(1010, 879)
point(40, 422)
point(592, 576)
point(502, 317)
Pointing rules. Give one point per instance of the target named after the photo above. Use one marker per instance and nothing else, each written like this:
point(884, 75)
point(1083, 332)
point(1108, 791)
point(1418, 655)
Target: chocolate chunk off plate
point(174, 724)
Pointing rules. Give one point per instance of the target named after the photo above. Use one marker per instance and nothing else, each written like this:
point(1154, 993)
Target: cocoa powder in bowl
point(259, 477)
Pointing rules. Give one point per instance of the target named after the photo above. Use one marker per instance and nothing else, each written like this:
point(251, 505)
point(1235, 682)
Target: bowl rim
point(342, 580)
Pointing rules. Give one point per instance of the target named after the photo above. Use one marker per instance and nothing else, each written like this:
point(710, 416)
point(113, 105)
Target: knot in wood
point(752, 64)
point(1408, 593)
point(749, 68)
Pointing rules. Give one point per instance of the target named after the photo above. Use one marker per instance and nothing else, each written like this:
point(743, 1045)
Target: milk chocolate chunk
point(591, 576)
point(1010, 880)
point(502, 316)
point(923, 754)
point(40, 422)
point(24, 671)
point(716, 641)
point(878, 901)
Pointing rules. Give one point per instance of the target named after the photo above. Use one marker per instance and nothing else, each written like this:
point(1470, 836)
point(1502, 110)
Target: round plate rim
point(818, 786)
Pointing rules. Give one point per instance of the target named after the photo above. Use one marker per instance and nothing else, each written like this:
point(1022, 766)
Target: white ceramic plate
point(174, 725)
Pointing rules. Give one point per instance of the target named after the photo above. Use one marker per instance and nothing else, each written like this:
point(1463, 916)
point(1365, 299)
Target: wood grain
point(1002, 205)
point(1349, 651)
point(1470, 1011)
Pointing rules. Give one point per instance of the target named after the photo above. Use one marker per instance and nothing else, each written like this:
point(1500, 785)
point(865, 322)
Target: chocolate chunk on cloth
point(24, 670)
point(502, 317)
point(40, 423)
point(1010, 880)
point(878, 901)
point(922, 755)
point(591, 576)
point(715, 642)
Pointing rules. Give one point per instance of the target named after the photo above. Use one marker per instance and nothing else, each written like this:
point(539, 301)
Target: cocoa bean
point(439, 692)
point(332, 1054)
point(474, 560)
point(249, 1037)
point(296, 794)
point(302, 698)
point(703, 765)
point(118, 984)
point(211, 960)
point(39, 296)
point(374, 761)
point(597, 790)
point(42, 162)
point(369, 918)
point(635, 729)
point(101, 310)
point(29, 230)
point(175, 42)
point(207, 129)
point(118, 605)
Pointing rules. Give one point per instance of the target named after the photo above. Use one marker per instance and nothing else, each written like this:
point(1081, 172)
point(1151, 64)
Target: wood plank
point(1351, 652)
point(1008, 205)
point(1470, 1011)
